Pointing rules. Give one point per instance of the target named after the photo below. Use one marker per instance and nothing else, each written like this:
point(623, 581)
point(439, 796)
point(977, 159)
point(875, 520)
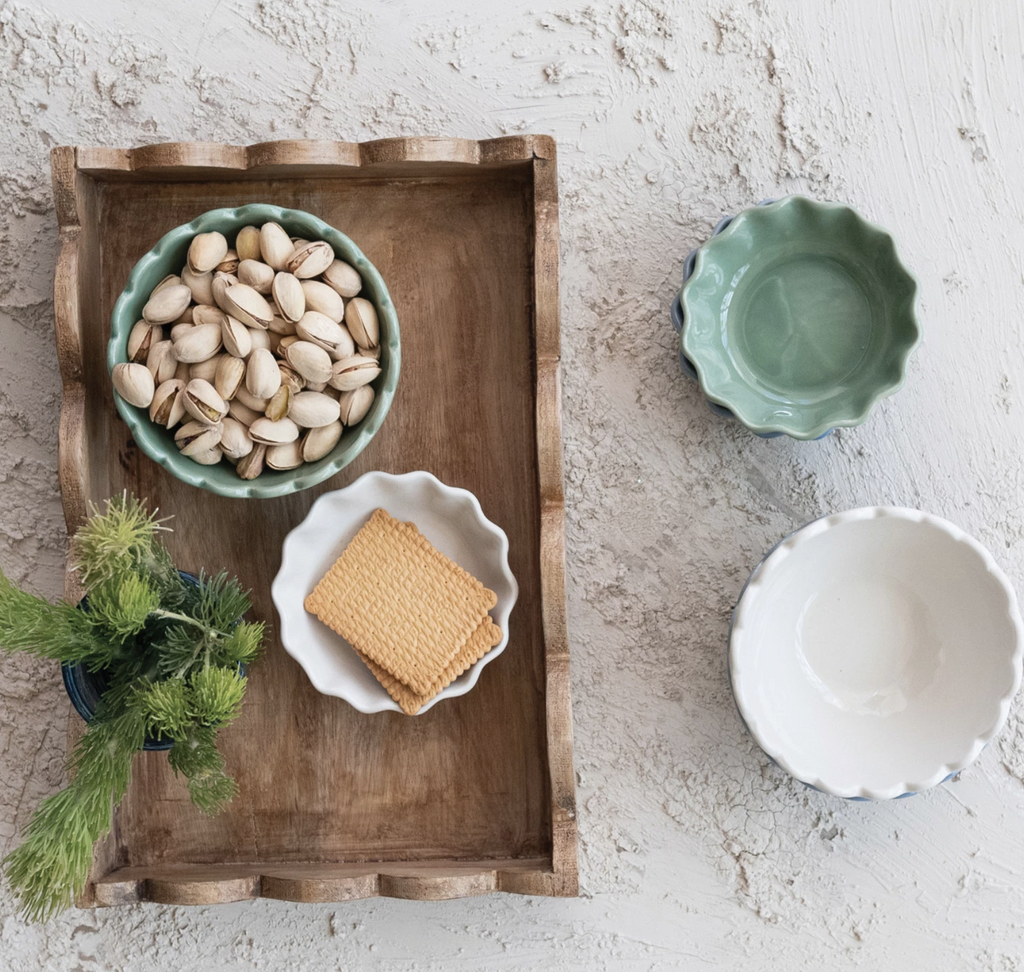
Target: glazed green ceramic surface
point(799, 317)
point(168, 256)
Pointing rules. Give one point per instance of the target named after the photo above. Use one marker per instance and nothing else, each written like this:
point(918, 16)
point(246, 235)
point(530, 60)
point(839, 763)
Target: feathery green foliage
point(170, 651)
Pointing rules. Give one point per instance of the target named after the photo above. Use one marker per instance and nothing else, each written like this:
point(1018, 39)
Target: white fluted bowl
point(451, 519)
point(875, 652)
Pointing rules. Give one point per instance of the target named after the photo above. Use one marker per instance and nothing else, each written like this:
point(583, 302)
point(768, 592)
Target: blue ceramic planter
point(85, 688)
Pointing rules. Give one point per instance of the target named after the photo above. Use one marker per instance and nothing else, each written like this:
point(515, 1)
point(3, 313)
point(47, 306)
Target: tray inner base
point(319, 781)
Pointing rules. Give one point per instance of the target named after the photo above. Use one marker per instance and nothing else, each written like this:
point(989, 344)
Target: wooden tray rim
point(109, 884)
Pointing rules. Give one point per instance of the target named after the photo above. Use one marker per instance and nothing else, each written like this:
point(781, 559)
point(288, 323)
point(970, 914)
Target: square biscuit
point(480, 642)
point(400, 602)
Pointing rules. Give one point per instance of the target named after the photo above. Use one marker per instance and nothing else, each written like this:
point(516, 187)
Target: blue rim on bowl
point(168, 256)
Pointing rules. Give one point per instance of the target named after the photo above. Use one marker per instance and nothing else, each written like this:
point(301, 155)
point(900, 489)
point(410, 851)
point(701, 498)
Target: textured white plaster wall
point(695, 851)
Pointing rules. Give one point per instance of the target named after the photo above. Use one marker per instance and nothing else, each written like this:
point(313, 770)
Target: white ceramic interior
point(875, 652)
point(451, 519)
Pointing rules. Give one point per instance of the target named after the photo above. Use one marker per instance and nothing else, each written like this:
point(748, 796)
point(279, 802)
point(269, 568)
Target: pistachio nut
point(206, 370)
point(257, 275)
point(289, 297)
point(181, 372)
point(248, 306)
point(242, 413)
point(355, 404)
point(310, 410)
point(236, 337)
point(284, 343)
point(324, 299)
point(282, 327)
point(142, 337)
point(309, 360)
point(229, 264)
point(179, 329)
point(195, 437)
point(317, 386)
point(234, 441)
point(206, 250)
point(208, 314)
point(221, 282)
point(251, 465)
point(171, 280)
point(208, 458)
point(287, 455)
point(361, 318)
point(259, 338)
point(310, 259)
point(270, 432)
point(203, 403)
point(299, 241)
point(320, 330)
point(165, 305)
point(275, 341)
point(343, 278)
point(320, 441)
point(134, 383)
point(249, 400)
point(161, 362)
point(279, 404)
point(185, 317)
point(290, 377)
point(261, 376)
point(201, 285)
point(373, 352)
point(275, 246)
point(230, 374)
point(199, 343)
point(353, 372)
point(168, 405)
point(247, 243)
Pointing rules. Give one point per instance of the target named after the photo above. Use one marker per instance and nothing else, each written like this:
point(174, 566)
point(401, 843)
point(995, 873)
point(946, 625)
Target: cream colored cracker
point(401, 602)
point(480, 642)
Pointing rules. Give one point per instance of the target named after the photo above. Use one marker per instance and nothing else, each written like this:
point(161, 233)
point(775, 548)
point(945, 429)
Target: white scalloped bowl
point(451, 519)
point(875, 652)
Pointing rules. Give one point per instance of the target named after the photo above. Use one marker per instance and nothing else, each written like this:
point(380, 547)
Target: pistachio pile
point(268, 352)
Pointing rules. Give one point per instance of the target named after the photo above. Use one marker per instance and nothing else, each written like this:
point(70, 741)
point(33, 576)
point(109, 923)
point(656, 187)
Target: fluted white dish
point(450, 518)
point(875, 652)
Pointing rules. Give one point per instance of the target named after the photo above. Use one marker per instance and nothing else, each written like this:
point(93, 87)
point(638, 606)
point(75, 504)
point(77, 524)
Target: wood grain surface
point(477, 794)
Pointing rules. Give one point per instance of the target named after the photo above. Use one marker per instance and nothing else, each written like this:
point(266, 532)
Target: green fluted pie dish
point(799, 317)
point(168, 257)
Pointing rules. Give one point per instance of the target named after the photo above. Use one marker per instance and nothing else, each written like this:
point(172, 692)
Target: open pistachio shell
point(203, 403)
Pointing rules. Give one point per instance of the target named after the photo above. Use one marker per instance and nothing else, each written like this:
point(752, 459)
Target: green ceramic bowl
point(168, 256)
point(799, 317)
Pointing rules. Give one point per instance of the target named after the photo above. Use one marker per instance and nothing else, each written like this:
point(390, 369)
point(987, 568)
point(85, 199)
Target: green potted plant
point(155, 659)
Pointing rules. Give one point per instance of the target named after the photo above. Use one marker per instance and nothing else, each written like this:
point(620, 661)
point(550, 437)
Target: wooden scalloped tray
point(476, 795)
